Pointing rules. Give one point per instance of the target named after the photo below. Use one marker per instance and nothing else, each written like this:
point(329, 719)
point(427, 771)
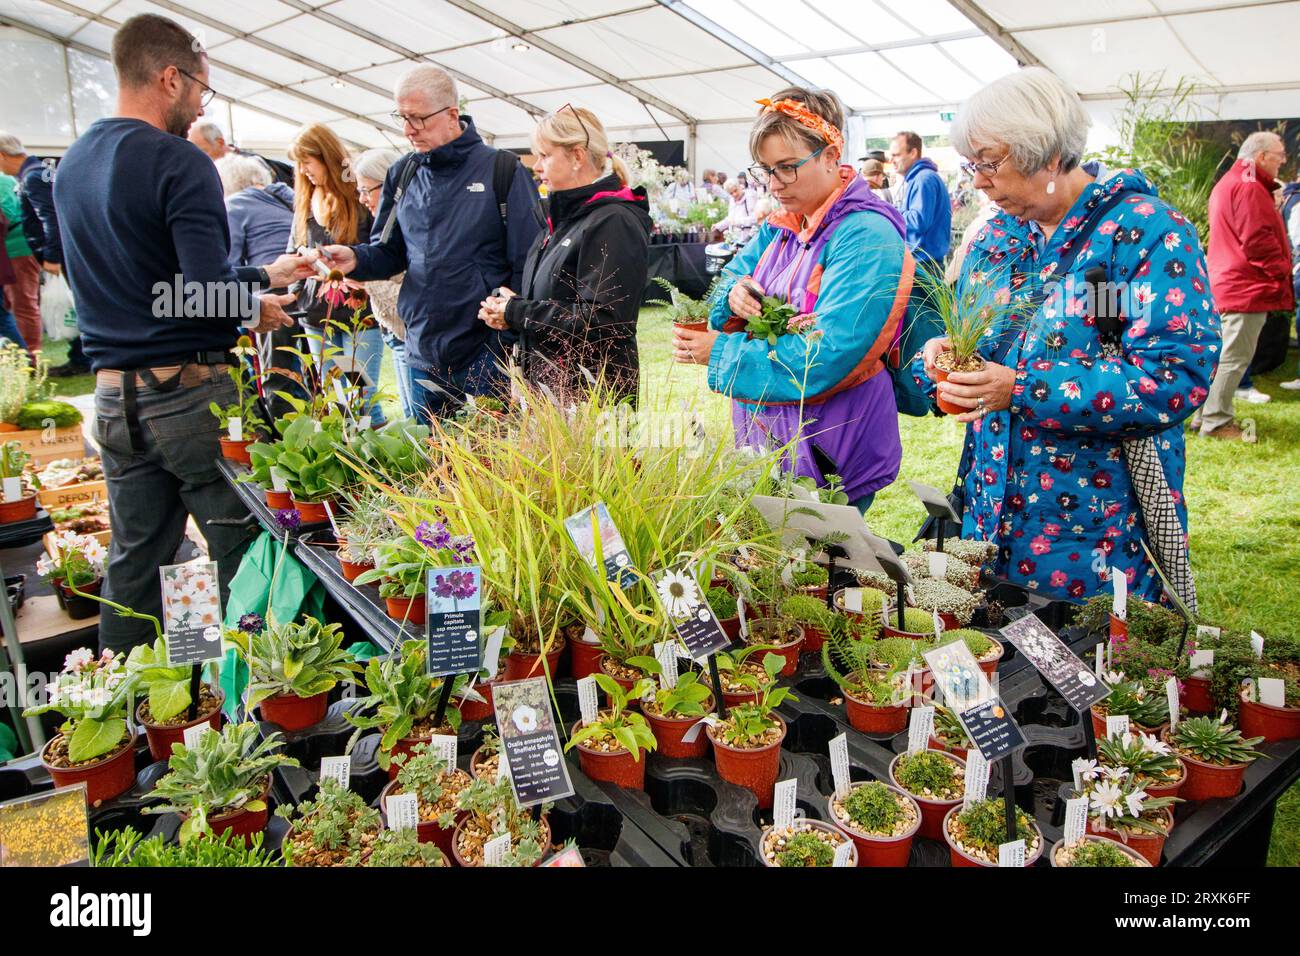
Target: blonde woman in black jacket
point(585, 275)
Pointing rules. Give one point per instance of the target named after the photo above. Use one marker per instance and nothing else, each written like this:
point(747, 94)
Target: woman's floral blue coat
point(1047, 479)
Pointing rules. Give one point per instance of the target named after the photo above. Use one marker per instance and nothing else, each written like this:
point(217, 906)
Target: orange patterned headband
point(807, 119)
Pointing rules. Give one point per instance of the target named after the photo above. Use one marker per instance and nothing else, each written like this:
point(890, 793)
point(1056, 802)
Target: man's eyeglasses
point(785, 173)
point(416, 122)
point(988, 169)
point(208, 92)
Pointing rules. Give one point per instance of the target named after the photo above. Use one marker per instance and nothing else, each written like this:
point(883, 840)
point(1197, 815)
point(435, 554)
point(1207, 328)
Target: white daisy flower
point(1107, 800)
point(1154, 745)
point(679, 593)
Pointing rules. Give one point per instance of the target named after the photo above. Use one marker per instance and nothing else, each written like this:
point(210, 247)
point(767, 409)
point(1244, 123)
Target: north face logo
point(475, 187)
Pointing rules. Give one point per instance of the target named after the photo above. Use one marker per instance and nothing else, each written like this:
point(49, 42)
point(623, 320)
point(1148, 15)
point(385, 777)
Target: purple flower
point(463, 545)
point(433, 535)
point(457, 585)
point(251, 623)
point(288, 520)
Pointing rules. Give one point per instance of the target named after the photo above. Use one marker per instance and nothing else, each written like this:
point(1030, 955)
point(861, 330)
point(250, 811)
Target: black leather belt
point(135, 434)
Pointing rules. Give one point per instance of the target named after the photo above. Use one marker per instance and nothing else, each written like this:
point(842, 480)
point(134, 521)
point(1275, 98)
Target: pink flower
point(1108, 227)
point(1146, 385)
point(1051, 530)
point(1040, 545)
point(1144, 209)
point(1059, 579)
point(1045, 481)
point(1137, 329)
point(1171, 241)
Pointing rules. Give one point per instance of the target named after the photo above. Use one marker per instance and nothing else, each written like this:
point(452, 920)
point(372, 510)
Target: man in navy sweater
point(923, 199)
point(145, 245)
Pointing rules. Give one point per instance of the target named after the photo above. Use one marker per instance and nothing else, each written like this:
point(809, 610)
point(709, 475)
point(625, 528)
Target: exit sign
point(947, 117)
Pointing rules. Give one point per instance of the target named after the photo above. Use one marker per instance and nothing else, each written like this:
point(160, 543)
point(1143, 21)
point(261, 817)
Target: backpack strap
point(404, 177)
point(504, 165)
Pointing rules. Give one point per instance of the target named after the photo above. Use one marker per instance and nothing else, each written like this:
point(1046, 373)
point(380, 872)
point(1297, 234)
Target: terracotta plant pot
point(584, 658)
point(473, 710)
point(789, 650)
point(1137, 858)
point(1099, 726)
point(311, 512)
point(426, 831)
point(813, 639)
point(810, 824)
point(520, 665)
point(1196, 696)
point(80, 608)
point(1271, 723)
point(1147, 845)
point(755, 770)
point(948, 408)
point(620, 769)
point(669, 731)
point(959, 752)
point(959, 857)
point(475, 759)
point(878, 850)
point(731, 699)
point(990, 667)
point(1209, 781)
point(731, 627)
point(412, 611)
point(622, 682)
point(1169, 789)
point(24, 509)
point(871, 719)
point(461, 861)
point(236, 451)
point(110, 776)
point(278, 500)
point(932, 811)
point(354, 569)
point(692, 326)
point(291, 712)
point(162, 736)
point(242, 822)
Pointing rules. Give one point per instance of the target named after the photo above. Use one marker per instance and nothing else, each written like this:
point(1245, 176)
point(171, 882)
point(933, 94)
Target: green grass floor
point(1245, 515)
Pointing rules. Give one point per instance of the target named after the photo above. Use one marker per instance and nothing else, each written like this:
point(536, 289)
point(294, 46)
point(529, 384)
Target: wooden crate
point(66, 496)
point(45, 447)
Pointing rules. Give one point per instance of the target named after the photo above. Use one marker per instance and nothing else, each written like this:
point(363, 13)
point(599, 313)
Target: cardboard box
point(49, 445)
point(66, 496)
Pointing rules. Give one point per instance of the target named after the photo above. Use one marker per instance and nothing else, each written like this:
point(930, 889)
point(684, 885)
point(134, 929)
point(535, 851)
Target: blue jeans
point(9, 328)
point(401, 371)
point(153, 488)
point(369, 345)
point(483, 376)
point(864, 503)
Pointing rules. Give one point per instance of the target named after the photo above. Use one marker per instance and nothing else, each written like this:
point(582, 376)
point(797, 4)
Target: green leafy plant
point(126, 847)
point(306, 456)
point(626, 728)
point(735, 666)
point(806, 849)
point(686, 698)
point(681, 308)
point(336, 828)
point(435, 784)
point(1146, 757)
point(1094, 852)
point(492, 809)
point(13, 460)
point(748, 724)
point(982, 828)
point(246, 407)
point(1211, 741)
point(1142, 707)
point(403, 848)
point(91, 693)
point(403, 563)
point(808, 611)
point(772, 321)
point(930, 774)
point(874, 808)
point(303, 659)
point(168, 686)
point(224, 771)
point(395, 451)
point(402, 698)
point(723, 603)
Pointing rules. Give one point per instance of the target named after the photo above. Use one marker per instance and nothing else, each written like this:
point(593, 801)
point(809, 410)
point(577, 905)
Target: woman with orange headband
point(835, 253)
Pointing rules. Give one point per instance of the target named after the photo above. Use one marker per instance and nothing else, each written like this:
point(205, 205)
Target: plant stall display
point(974, 833)
point(13, 464)
point(747, 743)
point(437, 788)
point(491, 810)
point(613, 747)
point(935, 780)
point(222, 782)
point(1095, 851)
point(127, 847)
point(292, 668)
point(402, 701)
point(674, 710)
point(169, 707)
point(75, 570)
point(242, 422)
point(1216, 756)
point(94, 744)
point(880, 820)
point(808, 843)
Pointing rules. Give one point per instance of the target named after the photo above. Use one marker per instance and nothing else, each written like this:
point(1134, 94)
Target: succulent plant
point(1209, 740)
point(1142, 707)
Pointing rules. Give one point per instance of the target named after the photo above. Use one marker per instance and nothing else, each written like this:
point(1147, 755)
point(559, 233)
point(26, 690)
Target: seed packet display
point(693, 619)
point(592, 524)
point(453, 621)
point(191, 604)
point(531, 741)
point(48, 829)
point(1072, 679)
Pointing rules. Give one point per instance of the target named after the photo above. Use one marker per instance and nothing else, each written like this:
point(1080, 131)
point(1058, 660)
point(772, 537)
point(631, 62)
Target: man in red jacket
point(1250, 268)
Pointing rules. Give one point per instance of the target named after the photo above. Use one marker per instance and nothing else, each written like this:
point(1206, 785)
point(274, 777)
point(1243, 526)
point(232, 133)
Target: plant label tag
point(338, 769)
point(334, 524)
point(1257, 644)
point(1012, 854)
point(1272, 691)
point(666, 655)
point(403, 811)
point(316, 426)
point(598, 540)
point(1117, 725)
point(742, 616)
point(1076, 820)
point(453, 620)
point(443, 747)
point(191, 605)
point(1171, 692)
point(920, 729)
point(839, 748)
point(957, 675)
point(708, 720)
point(278, 482)
point(843, 854)
point(939, 564)
point(589, 635)
point(363, 423)
point(492, 652)
point(191, 735)
point(853, 600)
point(1080, 687)
point(530, 741)
point(1202, 662)
point(1099, 664)
point(692, 618)
point(495, 850)
point(235, 429)
point(976, 779)
point(935, 501)
point(1077, 766)
point(588, 703)
point(991, 728)
point(1208, 632)
point(1119, 605)
point(13, 488)
point(783, 805)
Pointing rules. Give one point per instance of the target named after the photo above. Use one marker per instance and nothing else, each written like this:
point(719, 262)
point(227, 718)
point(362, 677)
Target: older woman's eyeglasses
point(208, 92)
point(988, 169)
point(785, 173)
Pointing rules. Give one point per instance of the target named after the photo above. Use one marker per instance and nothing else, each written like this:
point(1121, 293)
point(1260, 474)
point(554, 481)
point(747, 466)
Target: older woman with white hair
point(742, 204)
point(259, 210)
point(1104, 341)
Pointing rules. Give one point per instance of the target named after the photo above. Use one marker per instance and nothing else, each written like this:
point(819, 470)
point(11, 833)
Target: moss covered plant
point(807, 611)
point(723, 603)
point(930, 775)
point(876, 810)
point(983, 647)
point(980, 829)
point(802, 846)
